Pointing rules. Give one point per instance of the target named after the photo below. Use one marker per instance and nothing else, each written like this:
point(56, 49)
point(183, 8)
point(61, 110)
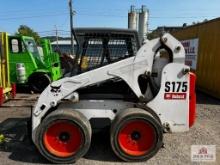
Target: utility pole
point(71, 26)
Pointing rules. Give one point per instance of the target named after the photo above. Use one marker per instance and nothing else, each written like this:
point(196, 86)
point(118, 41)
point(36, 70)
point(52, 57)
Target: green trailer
point(31, 65)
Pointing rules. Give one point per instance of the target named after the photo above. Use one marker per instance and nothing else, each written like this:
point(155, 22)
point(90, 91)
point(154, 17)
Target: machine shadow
point(18, 141)
point(100, 148)
point(23, 89)
point(17, 132)
point(202, 98)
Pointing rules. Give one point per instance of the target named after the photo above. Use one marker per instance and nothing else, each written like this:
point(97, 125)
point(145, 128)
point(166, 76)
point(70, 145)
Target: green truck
point(31, 65)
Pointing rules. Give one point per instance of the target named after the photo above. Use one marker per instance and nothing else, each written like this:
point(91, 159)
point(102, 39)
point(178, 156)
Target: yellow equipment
point(7, 89)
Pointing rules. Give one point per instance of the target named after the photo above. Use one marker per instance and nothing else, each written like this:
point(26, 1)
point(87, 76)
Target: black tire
point(38, 82)
point(66, 137)
point(127, 132)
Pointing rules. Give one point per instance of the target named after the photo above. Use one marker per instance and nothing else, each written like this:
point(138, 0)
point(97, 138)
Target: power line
point(26, 11)
point(160, 17)
point(98, 14)
point(200, 16)
point(111, 10)
point(104, 15)
point(34, 16)
point(31, 12)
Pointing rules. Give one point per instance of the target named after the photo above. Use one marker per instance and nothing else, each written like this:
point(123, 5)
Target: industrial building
point(64, 46)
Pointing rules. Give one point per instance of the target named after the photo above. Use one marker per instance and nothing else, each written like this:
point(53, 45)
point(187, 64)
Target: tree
point(205, 20)
point(27, 31)
point(185, 25)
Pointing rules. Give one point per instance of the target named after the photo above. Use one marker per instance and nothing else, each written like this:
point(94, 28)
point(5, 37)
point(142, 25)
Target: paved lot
point(19, 149)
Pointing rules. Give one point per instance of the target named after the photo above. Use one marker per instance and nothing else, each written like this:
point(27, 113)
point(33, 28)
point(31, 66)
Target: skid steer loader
point(139, 97)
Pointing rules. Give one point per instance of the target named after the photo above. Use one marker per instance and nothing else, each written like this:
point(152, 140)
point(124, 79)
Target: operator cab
point(102, 46)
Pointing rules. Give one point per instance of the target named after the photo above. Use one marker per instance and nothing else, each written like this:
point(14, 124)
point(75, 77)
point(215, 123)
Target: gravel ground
point(19, 150)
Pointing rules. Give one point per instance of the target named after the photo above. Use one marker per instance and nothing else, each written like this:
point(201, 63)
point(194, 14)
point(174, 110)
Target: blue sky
point(43, 15)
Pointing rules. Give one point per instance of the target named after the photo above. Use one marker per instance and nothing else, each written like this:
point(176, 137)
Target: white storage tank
point(143, 23)
point(132, 19)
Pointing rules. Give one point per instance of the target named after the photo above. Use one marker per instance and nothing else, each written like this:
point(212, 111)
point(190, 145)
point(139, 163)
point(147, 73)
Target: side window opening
point(98, 50)
point(91, 54)
point(14, 46)
point(118, 49)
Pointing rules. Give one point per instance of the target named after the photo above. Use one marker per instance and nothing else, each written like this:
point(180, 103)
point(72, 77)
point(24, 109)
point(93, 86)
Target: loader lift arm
point(128, 69)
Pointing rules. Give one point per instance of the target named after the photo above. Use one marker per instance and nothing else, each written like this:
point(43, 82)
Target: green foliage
point(27, 31)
